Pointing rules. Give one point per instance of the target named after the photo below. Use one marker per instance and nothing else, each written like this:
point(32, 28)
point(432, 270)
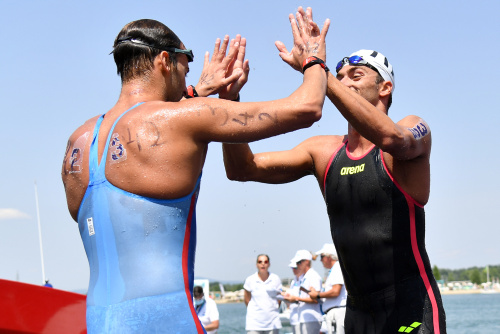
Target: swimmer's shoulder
point(86, 127)
point(321, 148)
point(182, 108)
point(324, 144)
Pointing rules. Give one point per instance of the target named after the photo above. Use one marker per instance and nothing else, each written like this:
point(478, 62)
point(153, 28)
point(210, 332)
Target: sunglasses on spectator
point(265, 262)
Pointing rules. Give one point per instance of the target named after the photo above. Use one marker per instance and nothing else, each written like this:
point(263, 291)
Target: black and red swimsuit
point(379, 233)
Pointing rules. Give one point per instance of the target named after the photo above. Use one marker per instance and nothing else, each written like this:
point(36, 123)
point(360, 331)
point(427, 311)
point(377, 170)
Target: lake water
point(465, 314)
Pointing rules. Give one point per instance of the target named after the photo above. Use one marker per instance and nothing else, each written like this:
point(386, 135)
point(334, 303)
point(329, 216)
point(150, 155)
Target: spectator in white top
point(310, 316)
point(334, 295)
point(261, 290)
point(294, 291)
point(207, 311)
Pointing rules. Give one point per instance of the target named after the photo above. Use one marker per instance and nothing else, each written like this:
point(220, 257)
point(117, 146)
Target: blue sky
point(56, 73)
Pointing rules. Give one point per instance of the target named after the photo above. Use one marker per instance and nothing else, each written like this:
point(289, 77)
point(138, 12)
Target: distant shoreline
point(446, 292)
point(466, 292)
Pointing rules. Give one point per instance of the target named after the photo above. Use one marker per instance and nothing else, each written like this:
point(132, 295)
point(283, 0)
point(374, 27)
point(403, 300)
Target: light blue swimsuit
point(141, 256)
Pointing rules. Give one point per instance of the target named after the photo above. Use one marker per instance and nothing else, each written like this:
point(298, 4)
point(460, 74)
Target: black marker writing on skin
point(266, 115)
point(419, 131)
point(66, 157)
point(245, 116)
point(217, 110)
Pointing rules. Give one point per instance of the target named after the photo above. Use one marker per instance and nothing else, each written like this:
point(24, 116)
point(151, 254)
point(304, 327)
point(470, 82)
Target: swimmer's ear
point(166, 63)
point(385, 88)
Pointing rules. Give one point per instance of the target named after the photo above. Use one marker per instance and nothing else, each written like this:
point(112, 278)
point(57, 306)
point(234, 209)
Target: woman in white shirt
point(261, 290)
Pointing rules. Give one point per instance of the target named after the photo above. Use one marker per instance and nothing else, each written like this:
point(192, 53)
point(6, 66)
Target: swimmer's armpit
point(420, 130)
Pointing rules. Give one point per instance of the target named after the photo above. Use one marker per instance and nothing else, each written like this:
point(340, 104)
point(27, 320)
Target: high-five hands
point(224, 74)
point(240, 65)
point(308, 40)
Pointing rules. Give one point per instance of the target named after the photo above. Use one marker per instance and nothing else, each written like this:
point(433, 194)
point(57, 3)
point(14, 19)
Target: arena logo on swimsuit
point(352, 170)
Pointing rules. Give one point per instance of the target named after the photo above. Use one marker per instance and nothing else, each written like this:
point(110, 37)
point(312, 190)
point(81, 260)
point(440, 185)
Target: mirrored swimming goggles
point(354, 60)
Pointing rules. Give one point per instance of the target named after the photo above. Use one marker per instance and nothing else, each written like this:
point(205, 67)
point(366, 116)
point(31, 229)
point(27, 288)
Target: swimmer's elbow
point(314, 112)
point(235, 176)
point(308, 114)
point(232, 176)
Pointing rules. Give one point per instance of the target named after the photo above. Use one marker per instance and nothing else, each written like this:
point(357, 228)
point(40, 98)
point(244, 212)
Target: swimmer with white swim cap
point(375, 180)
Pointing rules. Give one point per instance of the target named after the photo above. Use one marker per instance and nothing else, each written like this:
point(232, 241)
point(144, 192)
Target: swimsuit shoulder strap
point(100, 168)
point(93, 148)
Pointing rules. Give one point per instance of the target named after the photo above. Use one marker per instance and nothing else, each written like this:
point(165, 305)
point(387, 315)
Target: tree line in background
point(214, 286)
point(476, 275)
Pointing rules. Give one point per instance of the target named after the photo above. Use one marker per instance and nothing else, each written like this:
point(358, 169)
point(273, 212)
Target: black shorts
point(404, 308)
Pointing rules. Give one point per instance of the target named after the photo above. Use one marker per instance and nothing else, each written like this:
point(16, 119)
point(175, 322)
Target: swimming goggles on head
point(188, 52)
point(354, 60)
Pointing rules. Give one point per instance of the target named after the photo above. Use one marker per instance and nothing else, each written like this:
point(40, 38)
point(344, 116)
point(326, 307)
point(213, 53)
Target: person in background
point(334, 294)
point(309, 312)
point(206, 309)
point(261, 291)
point(294, 291)
point(47, 284)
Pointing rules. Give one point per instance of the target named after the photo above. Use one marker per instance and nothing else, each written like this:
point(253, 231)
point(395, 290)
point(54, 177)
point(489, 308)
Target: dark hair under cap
point(136, 59)
point(198, 291)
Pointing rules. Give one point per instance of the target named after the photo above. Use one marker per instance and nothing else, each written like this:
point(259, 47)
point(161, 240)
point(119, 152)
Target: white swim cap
point(375, 59)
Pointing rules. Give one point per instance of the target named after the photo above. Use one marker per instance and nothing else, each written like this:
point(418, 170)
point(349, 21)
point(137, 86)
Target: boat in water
point(28, 308)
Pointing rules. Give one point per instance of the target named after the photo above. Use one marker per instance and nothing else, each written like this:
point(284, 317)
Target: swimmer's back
point(150, 154)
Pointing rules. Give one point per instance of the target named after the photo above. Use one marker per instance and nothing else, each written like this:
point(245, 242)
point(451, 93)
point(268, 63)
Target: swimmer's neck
point(358, 145)
point(141, 90)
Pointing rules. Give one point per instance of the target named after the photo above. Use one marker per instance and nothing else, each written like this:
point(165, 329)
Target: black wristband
point(317, 297)
point(237, 99)
point(310, 61)
point(191, 92)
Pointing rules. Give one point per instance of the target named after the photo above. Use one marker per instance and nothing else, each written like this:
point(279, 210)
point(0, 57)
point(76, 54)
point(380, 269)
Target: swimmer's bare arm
point(225, 121)
point(271, 167)
point(308, 158)
point(73, 172)
point(405, 140)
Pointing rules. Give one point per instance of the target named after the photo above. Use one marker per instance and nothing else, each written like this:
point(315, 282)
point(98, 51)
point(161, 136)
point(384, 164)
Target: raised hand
point(218, 72)
point(308, 40)
point(231, 91)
